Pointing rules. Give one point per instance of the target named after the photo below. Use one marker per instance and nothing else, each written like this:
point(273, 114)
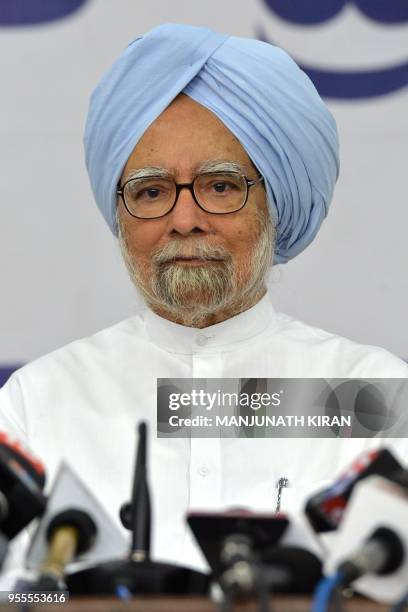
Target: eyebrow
point(206, 167)
point(215, 165)
point(142, 173)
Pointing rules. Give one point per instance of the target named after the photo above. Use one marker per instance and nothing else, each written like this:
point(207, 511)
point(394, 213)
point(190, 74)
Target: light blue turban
point(257, 91)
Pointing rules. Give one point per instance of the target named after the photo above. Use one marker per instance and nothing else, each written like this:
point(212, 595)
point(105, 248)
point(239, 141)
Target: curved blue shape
point(358, 84)
point(30, 12)
point(384, 11)
point(353, 84)
point(306, 13)
point(6, 372)
point(319, 11)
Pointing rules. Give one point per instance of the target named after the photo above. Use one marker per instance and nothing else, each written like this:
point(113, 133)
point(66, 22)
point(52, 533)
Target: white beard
point(192, 294)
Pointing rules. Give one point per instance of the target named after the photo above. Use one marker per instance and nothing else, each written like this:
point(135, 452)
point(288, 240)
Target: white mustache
point(179, 250)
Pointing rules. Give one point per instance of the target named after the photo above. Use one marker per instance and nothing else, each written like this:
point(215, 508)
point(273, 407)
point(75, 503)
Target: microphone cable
point(328, 594)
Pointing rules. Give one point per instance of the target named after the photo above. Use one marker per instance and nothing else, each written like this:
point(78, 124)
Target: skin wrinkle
point(234, 250)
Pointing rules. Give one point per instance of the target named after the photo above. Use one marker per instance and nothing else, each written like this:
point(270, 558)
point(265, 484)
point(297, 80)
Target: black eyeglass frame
point(190, 186)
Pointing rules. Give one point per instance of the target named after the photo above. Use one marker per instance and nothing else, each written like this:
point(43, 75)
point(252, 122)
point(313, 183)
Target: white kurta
point(82, 403)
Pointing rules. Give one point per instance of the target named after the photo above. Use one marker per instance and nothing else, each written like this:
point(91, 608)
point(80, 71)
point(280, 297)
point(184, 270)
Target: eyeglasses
point(217, 193)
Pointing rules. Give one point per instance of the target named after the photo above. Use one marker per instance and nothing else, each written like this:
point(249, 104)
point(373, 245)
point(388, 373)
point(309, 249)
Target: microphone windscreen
point(79, 519)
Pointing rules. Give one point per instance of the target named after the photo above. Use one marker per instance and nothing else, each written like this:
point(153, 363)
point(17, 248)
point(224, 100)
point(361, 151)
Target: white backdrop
point(62, 277)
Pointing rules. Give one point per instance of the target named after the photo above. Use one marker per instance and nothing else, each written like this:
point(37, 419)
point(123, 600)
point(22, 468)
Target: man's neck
point(192, 318)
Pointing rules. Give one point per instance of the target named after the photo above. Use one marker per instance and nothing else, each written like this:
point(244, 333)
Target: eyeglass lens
point(154, 197)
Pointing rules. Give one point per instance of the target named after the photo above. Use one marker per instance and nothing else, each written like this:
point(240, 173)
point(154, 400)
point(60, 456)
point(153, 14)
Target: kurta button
point(203, 470)
point(201, 340)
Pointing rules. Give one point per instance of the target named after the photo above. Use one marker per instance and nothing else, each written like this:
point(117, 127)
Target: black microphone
point(22, 478)
point(141, 511)
point(136, 515)
point(137, 573)
point(325, 509)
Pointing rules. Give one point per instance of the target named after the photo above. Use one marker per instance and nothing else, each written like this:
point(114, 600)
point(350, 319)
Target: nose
point(187, 217)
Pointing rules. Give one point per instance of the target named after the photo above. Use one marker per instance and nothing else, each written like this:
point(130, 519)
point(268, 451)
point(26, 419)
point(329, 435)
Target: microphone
point(22, 478)
point(371, 548)
point(136, 516)
point(68, 489)
point(70, 533)
point(382, 553)
point(233, 543)
point(283, 569)
point(325, 509)
point(212, 530)
point(241, 571)
point(136, 573)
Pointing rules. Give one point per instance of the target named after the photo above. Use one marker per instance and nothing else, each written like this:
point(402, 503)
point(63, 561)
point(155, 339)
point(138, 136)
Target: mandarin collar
point(220, 337)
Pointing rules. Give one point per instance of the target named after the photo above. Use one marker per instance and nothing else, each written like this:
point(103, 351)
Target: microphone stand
point(138, 574)
point(244, 575)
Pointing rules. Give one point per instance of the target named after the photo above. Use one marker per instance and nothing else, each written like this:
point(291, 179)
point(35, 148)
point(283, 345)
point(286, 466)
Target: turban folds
point(254, 88)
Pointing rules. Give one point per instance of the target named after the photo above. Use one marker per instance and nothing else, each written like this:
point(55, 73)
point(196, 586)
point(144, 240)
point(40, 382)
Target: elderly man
point(209, 157)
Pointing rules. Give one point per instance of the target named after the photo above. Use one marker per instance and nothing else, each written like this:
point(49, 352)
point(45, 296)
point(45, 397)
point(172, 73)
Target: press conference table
point(186, 604)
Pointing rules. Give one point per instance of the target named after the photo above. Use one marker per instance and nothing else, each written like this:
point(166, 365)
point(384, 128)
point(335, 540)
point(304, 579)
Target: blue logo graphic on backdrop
point(30, 12)
point(319, 11)
point(346, 84)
